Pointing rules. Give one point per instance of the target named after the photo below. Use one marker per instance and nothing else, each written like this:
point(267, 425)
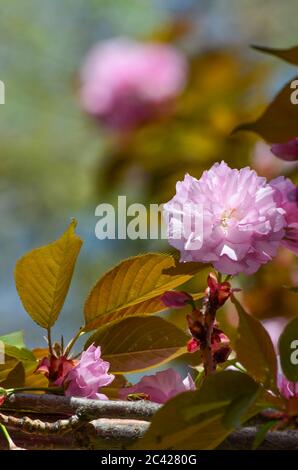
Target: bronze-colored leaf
point(254, 348)
point(139, 343)
point(134, 281)
point(279, 121)
point(289, 55)
point(43, 277)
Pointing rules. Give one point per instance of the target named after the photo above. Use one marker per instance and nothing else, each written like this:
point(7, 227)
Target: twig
point(55, 404)
point(37, 426)
point(206, 349)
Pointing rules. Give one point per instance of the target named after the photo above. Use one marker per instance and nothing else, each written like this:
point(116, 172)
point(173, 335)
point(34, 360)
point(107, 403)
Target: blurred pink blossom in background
point(125, 82)
point(160, 387)
point(287, 151)
point(243, 224)
point(88, 376)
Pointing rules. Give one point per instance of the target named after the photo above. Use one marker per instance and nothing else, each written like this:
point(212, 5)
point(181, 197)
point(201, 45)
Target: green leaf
point(22, 354)
point(15, 377)
point(239, 407)
point(254, 348)
point(14, 346)
point(289, 55)
point(139, 343)
point(278, 123)
point(262, 433)
point(5, 368)
point(288, 350)
point(134, 281)
point(14, 339)
point(193, 420)
point(43, 277)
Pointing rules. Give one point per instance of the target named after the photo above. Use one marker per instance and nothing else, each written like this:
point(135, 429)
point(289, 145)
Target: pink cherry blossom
point(287, 151)
point(124, 82)
point(242, 224)
point(161, 386)
point(286, 196)
point(88, 376)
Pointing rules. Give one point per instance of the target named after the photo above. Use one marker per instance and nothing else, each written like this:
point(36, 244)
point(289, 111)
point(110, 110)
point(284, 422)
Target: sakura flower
point(287, 151)
point(88, 376)
point(125, 83)
point(240, 227)
point(55, 368)
point(161, 386)
point(286, 196)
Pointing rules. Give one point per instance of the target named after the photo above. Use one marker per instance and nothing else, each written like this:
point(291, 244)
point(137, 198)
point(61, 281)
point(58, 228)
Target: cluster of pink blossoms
point(125, 83)
point(245, 219)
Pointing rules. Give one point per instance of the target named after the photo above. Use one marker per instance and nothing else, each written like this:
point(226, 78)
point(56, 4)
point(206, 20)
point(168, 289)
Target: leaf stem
point(10, 391)
point(72, 342)
point(206, 349)
point(6, 435)
point(50, 341)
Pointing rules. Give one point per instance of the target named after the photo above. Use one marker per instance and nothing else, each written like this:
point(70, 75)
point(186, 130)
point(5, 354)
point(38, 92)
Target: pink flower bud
point(193, 345)
point(176, 299)
point(287, 151)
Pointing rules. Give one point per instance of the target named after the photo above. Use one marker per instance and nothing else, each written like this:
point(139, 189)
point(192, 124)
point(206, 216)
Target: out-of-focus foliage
point(196, 133)
point(289, 55)
point(278, 123)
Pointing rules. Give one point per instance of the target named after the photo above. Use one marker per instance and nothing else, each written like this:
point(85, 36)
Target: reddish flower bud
point(196, 325)
point(193, 345)
point(176, 299)
point(55, 368)
point(2, 395)
point(222, 354)
point(218, 292)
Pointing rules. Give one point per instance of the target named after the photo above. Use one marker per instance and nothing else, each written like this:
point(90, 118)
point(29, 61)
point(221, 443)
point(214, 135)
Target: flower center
point(226, 216)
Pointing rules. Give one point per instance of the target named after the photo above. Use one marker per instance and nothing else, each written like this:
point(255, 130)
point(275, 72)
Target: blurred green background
point(56, 164)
